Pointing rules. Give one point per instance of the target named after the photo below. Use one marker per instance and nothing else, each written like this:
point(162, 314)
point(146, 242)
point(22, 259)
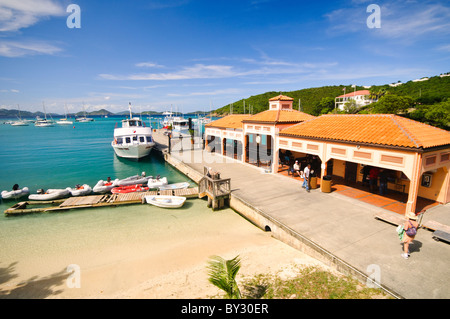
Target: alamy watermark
point(374, 279)
point(74, 19)
point(374, 19)
point(74, 279)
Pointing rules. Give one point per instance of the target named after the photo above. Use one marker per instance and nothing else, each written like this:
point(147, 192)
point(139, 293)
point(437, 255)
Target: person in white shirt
point(306, 177)
point(296, 168)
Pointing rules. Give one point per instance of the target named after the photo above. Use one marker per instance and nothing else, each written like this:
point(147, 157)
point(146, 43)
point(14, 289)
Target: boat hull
point(83, 190)
point(104, 187)
point(50, 195)
point(132, 151)
point(165, 201)
point(15, 194)
point(129, 189)
point(182, 185)
point(132, 180)
point(155, 183)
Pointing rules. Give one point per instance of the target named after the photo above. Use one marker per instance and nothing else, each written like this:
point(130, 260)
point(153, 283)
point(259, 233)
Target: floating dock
point(28, 207)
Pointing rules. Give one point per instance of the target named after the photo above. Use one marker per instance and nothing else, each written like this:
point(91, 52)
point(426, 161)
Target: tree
point(222, 274)
point(324, 106)
point(437, 115)
point(351, 107)
point(392, 104)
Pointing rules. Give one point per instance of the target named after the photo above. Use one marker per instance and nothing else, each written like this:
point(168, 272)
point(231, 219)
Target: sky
point(196, 55)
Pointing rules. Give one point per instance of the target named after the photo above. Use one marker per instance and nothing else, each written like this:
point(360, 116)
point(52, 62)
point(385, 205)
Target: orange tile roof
point(233, 121)
point(281, 98)
point(377, 129)
point(279, 116)
point(354, 93)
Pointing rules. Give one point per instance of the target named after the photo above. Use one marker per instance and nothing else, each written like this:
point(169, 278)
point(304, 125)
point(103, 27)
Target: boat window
point(149, 139)
point(127, 140)
point(135, 138)
point(119, 140)
point(132, 123)
point(141, 139)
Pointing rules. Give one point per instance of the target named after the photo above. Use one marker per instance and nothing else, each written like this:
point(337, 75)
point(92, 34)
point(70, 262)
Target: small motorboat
point(129, 189)
point(15, 193)
point(50, 194)
point(105, 186)
point(133, 180)
point(174, 186)
point(165, 201)
point(80, 190)
point(157, 182)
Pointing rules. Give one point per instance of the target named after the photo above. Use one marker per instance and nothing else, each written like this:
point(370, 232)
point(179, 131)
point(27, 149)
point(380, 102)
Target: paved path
point(343, 226)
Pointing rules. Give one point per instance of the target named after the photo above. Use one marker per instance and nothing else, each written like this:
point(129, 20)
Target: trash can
point(313, 183)
point(326, 184)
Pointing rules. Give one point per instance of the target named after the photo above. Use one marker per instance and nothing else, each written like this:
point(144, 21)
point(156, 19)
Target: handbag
point(411, 231)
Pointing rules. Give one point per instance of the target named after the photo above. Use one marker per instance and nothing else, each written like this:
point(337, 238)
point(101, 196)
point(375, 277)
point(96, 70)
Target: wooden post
point(414, 185)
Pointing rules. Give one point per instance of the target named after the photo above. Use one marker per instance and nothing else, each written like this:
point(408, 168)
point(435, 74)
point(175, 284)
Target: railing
point(214, 187)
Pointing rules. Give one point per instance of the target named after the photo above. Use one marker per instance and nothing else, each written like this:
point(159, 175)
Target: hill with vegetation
point(427, 100)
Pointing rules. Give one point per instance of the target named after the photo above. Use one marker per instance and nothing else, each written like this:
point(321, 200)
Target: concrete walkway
point(343, 227)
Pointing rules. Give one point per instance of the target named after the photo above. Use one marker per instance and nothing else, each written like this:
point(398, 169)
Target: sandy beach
point(169, 264)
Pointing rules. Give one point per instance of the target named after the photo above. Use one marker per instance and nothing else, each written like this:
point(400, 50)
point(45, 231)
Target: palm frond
point(222, 274)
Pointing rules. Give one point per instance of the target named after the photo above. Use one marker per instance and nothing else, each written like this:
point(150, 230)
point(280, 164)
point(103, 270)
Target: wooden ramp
point(390, 217)
point(83, 201)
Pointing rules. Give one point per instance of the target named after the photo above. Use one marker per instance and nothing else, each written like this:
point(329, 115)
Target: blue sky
point(192, 54)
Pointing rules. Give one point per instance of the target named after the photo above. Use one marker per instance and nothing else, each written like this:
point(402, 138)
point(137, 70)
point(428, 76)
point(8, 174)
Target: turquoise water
point(103, 242)
point(65, 155)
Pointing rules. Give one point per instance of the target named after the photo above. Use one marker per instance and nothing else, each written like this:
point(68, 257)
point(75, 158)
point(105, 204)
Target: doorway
point(351, 170)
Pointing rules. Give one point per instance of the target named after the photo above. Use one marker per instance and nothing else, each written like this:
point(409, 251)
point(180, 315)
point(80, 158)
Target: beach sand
point(169, 264)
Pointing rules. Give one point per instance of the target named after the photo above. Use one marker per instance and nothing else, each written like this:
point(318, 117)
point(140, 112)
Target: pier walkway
point(339, 230)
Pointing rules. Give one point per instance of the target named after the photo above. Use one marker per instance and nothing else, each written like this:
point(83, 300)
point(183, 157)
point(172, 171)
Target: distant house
point(420, 80)
point(360, 97)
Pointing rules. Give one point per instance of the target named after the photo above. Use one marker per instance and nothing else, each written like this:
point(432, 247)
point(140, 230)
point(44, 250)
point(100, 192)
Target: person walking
point(306, 174)
point(373, 178)
point(411, 225)
point(383, 178)
point(296, 169)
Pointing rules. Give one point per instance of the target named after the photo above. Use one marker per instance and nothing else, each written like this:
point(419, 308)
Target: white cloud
point(445, 47)
point(210, 93)
point(198, 71)
point(216, 71)
point(19, 14)
point(149, 65)
point(18, 49)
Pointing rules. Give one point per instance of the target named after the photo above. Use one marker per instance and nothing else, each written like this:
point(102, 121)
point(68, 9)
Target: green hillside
point(426, 101)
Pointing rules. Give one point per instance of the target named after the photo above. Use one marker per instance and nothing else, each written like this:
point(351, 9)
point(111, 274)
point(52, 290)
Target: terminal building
point(339, 146)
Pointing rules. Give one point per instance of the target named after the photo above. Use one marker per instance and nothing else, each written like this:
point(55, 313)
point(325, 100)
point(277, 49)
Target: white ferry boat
point(133, 140)
point(178, 123)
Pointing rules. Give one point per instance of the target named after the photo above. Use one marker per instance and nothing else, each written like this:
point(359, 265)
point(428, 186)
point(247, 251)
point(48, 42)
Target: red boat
point(129, 189)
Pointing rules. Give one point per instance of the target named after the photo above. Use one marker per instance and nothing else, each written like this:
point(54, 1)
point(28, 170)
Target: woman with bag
point(410, 227)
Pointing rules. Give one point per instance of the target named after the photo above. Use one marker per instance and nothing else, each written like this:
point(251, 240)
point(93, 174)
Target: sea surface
point(63, 156)
point(66, 155)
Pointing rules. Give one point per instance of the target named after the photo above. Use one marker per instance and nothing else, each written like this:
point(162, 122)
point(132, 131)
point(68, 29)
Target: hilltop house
point(360, 97)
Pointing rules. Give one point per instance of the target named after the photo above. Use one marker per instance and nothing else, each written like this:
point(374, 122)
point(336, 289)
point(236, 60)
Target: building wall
point(436, 163)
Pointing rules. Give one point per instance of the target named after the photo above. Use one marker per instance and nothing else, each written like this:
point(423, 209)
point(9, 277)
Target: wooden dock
point(28, 207)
